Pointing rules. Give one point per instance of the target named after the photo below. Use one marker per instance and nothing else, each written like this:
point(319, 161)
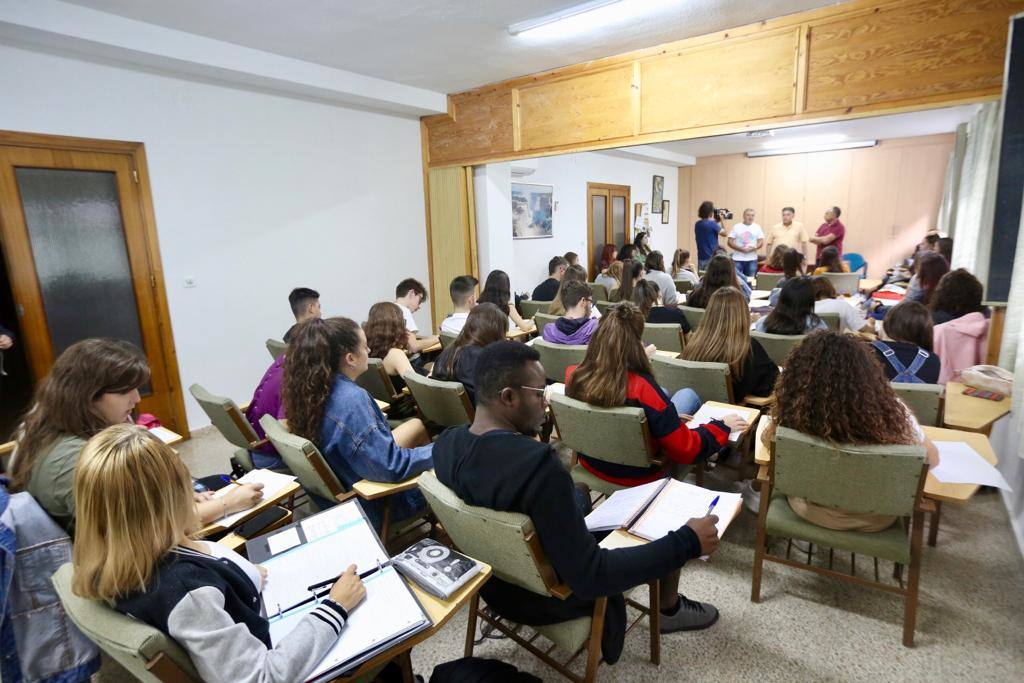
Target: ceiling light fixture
point(805, 141)
point(801, 149)
point(582, 18)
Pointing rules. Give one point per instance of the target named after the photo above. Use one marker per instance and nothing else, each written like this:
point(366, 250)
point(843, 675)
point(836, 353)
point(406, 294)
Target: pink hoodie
point(959, 344)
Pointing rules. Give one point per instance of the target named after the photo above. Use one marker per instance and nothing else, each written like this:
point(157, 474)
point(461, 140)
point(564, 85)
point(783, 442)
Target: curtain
point(946, 222)
point(1011, 352)
point(973, 204)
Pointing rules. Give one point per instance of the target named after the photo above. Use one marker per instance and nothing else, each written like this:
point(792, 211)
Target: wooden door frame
point(608, 217)
point(136, 151)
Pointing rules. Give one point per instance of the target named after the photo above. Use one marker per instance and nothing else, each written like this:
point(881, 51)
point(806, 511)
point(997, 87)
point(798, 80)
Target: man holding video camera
point(707, 230)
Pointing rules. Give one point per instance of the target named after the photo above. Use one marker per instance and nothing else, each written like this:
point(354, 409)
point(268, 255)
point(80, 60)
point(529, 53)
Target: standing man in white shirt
point(409, 296)
point(789, 233)
point(745, 239)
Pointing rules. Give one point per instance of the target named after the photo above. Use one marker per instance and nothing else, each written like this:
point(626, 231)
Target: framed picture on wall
point(664, 211)
point(638, 209)
point(532, 209)
point(657, 192)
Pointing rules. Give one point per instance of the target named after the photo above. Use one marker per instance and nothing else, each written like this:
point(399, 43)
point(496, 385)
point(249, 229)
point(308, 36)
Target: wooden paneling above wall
point(855, 59)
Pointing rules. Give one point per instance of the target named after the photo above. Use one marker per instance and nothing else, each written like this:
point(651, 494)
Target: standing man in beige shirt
point(789, 232)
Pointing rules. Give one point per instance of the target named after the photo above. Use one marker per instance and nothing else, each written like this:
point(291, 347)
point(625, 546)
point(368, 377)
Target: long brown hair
point(721, 272)
point(631, 270)
point(313, 359)
point(575, 273)
point(775, 260)
point(133, 499)
point(931, 267)
point(63, 402)
point(485, 323)
point(679, 259)
point(830, 260)
point(615, 350)
point(723, 335)
point(836, 410)
point(645, 296)
point(385, 329)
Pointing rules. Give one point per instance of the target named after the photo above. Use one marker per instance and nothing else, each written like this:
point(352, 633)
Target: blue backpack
point(903, 374)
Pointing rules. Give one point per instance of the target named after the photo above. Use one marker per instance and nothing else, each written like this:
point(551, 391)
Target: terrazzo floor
point(807, 628)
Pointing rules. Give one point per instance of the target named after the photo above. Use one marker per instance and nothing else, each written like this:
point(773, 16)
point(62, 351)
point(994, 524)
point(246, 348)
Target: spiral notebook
point(315, 551)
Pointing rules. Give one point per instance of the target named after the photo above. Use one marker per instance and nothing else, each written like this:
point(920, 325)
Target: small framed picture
point(638, 209)
point(657, 193)
point(664, 211)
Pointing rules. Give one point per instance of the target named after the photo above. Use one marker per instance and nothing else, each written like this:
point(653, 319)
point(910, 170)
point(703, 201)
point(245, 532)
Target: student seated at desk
point(134, 551)
point(388, 340)
point(326, 406)
point(607, 257)
point(632, 274)
point(724, 337)
point(840, 412)
point(616, 372)
point(266, 400)
point(610, 277)
point(683, 269)
point(463, 293)
point(409, 296)
point(654, 267)
point(774, 262)
point(792, 267)
point(305, 305)
point(546, 290)
point(830, 262)
point(930, 267)
point(905, 349)
point(498, 291)
point(827, 300)
point(572, 274)
point(958, 293)
point(645, 296)
point(496, 463)
point(576, 325)
point(485, 325)
point(94, 384)
point(794, 311)
point(719, 273)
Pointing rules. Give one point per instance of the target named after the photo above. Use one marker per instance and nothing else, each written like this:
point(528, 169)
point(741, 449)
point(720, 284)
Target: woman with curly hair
point(720, 273)
point(836, 412)
point(325, 405)
point(957, 294)
point(388, 339)
point(457, 363)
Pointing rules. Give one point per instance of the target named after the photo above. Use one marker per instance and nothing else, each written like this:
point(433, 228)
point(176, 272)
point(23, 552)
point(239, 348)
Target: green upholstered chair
point(378, 384)
point(598, 291)
point(665, 336)
point(924, 400)
point(275, 348)
point(226, 416)
point(304, 460)
point(777, 346)
point(508, 542)
point(529, 307)
point(881, 480)
point(845, 283)
point(617, 435)
point(711, 381)
point(557, 357)
point(768, 281)
point(447, 338)
point(148, 654)
point(693, 315)
point(604, 306)
point(443, 403)
point(542, 319)
point(683, 286)
point(832, 320)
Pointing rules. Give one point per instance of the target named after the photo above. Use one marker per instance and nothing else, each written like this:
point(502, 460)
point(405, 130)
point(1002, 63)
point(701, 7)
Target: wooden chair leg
point(759, 543)
point(594, 644)
point(655, 621)
point(914, 575)
point(385, 524)
point(933, 530)
point(404, 662)
point(474, 605)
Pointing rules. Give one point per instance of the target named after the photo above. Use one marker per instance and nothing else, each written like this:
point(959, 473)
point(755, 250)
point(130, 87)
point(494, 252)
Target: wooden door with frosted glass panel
point(76, 246)
point(609, 221)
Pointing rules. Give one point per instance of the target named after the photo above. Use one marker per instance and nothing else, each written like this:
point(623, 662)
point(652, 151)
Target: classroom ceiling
point(929, 122)
point(442, 45)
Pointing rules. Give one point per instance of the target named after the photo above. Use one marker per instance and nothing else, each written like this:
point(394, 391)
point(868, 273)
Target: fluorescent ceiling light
point(805, 141)
point(584, 18)
point(811, 148)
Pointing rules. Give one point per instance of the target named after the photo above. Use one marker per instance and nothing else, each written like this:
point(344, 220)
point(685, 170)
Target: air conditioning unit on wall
point(523, 168)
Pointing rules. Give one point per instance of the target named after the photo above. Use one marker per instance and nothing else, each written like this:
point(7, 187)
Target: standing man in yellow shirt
point(789, 232)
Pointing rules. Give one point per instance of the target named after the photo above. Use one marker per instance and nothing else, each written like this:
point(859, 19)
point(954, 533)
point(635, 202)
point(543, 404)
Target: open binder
point(302, 561)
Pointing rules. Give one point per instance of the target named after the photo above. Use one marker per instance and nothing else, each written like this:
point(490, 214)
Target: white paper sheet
point(165, 435)
point(961, 464)
point(272, 482)
point(679, 503)
point(708, 413)
point(622, 506)
point(279, 542)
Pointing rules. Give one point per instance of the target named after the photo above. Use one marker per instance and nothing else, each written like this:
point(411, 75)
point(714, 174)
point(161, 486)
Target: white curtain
point(1011, 356)
point(973, 208)
point(946, 222)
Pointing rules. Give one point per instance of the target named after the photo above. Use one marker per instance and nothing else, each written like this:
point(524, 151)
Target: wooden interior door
point(79, 257)
point(609, 221)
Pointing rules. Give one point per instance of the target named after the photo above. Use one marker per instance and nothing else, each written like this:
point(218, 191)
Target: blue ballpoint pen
point(712, 506)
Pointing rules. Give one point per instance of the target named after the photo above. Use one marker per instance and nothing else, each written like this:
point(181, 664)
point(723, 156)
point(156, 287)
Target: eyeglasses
point(543, 392)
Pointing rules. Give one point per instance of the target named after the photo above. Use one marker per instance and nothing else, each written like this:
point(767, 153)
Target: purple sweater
point(267, 400)
point(570, 331)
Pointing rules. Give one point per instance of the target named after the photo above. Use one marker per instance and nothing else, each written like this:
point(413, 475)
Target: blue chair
point(856, 262)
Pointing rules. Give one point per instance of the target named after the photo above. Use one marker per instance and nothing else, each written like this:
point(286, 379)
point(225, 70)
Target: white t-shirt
point(849, 317)
point(746, 236)
point(410, 322)
point(453, 323)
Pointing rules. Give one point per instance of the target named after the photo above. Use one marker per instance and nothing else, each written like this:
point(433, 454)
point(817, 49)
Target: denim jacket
point(356, 441)
point(37, 640)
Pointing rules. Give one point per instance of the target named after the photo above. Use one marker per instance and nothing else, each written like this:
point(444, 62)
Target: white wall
point(254, 194)
point(569, 174)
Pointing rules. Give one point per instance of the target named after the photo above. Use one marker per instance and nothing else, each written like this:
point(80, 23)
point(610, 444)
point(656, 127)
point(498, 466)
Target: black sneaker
point(690, 616)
